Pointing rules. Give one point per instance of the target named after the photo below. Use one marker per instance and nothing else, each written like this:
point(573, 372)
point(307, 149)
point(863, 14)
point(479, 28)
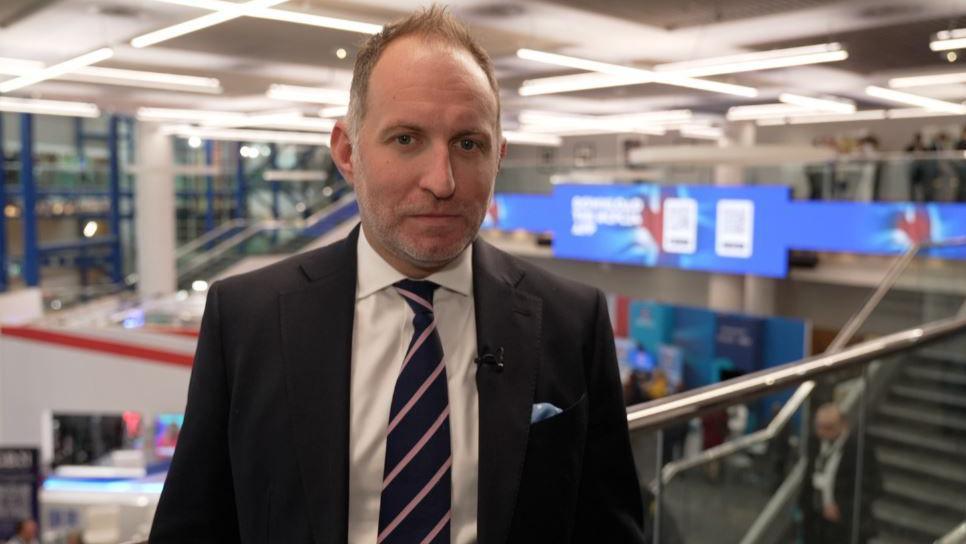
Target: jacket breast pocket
point(551, 475)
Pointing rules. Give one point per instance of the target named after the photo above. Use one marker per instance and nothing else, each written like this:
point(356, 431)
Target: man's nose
point(438, 176)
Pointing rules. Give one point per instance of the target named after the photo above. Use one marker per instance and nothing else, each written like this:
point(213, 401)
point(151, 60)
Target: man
point(335, 399)
point(25, 532)
point(832, 485)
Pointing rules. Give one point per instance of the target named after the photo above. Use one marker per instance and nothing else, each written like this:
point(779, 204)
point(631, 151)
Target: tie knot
point(418, 293)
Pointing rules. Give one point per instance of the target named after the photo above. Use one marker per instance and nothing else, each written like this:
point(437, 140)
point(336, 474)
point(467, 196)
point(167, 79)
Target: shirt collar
point(375, 274)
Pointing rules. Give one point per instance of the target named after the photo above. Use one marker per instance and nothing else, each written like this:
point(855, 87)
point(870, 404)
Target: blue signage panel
point(520, 211)
point(720, 229)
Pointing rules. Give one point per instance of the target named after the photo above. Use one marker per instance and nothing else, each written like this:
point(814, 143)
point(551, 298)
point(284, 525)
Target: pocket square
point(542, 411)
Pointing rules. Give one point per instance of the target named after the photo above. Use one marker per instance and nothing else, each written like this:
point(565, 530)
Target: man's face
point(29, 531)
point(828, 426)
point(425, 156)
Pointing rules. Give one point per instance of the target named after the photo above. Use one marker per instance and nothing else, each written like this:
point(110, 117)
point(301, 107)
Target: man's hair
point(432, 23)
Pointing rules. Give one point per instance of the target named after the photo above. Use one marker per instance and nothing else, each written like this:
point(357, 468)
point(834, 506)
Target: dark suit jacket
point(263, 453)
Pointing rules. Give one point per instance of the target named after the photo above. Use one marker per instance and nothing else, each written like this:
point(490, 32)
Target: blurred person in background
point(831, 490)
point(960, 165)
point(25, 532)
point(922, 170)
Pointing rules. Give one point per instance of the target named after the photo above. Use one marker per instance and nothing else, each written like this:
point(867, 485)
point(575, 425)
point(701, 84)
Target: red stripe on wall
point(98, 345)
point(622, 330)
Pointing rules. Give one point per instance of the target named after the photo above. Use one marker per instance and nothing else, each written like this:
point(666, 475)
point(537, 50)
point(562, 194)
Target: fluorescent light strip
point(762, 111)
point(117, 76)
point(334, 111)
point(578, 82)
point(286, 16)
point(867, 115)
point(198, 116)
point(622, 75)
point(581, 64)
point(702, 132)
point(706, 85)
point(909, 113)
point(530, 138)
point(763, 60)
point(915, 100)
point(820, 104)
point(228, 13)
point(316, 95)
point(947, 40)
point(551, 122)
point(923, 81)
point(56, 70)
point(48, 107)
point(242, 135)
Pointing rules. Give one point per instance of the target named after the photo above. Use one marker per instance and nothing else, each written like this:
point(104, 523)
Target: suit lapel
point(316, 331)
point(510, 319)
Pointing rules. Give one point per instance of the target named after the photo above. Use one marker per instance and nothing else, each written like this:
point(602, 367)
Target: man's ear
point(341, 146)
point(502, 153)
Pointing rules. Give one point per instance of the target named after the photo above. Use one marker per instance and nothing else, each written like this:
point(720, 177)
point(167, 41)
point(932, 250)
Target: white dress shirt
point(381, 334)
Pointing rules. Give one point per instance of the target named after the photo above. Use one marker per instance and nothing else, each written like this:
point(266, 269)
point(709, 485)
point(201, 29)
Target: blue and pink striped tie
point(415, 506)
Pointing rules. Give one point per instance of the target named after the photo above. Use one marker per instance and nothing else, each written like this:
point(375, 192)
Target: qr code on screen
point(15, 501)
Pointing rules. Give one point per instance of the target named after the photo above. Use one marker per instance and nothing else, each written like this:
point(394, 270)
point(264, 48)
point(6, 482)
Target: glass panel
point(703, 472)
point(917, 430)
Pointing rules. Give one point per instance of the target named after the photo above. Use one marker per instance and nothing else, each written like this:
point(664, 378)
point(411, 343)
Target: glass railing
point(890, 464)
point(750, 460)
point(211, 257)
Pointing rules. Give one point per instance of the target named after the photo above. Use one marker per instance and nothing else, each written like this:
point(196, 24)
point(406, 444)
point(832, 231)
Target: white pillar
point(760, 295)
point(155, 212)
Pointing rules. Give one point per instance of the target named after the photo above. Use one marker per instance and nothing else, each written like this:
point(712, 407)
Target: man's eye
point(404, 139)
point(468, 145)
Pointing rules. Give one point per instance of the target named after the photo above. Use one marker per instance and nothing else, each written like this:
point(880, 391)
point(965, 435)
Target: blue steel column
point(275, 185)
point(31, 253)
point(3, 215)
point(241, 196)
point(209, 188)
point(114, 176)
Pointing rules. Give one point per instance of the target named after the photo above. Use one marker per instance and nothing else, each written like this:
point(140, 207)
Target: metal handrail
point(804, 390)
point(956, 536)
point(208, 236)
point(689, 404)
point(888, 282)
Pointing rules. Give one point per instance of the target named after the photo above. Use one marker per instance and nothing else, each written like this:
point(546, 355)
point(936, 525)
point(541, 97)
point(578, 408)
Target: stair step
point(930, 395)
point(891, 539)
point(929, 416)
point(928, 465)
point(927, 522)
point(946, 377)
point(917, 438)
point(929, 494)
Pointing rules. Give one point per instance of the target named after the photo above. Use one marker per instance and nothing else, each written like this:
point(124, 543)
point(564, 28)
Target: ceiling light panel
point(243, 135)
point(833, 105)
point(50, 72)
point(48, 107)
point(228, 13)
point(915, 100)
point(334, 111)
point(314, 95)
point(948, 40)
point(763, 60)
point(530, 138)
point(285, 16)
point(927, 80)
point(763, 111)
point(117, 76)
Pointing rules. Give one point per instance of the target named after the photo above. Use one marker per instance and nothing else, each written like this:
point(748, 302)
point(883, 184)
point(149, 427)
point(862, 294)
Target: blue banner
point(720, 229)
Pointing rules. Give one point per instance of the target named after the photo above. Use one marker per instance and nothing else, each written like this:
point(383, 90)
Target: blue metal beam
point(114, 176)
point(3, 215)
point(241, 196)
point(31, 257)
point(209, 187)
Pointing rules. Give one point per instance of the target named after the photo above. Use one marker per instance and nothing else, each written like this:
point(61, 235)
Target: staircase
point(920, 435)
